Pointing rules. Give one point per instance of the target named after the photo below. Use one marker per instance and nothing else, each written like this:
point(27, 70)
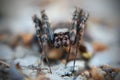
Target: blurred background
point(17, 29)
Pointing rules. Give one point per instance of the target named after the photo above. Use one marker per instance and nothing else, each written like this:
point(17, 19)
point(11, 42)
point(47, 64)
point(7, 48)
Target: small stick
point(6, 64)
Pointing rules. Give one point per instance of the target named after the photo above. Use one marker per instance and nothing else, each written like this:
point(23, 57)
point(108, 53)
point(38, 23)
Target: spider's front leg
point(73, 32)
point(82, 18)
point(44, 34)
point(38, 27)
point(47, 36)
point(78, 26)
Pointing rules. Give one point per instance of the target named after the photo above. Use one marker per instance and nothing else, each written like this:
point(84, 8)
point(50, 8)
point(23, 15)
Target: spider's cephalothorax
point(46, 37)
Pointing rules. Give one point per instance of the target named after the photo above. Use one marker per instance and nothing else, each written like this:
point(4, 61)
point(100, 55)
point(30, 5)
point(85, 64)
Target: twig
point(6, 64)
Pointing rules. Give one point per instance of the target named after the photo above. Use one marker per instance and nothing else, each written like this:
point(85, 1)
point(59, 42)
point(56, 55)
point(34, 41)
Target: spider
point(72, 37)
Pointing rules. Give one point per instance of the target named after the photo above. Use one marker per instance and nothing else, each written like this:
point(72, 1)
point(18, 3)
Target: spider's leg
point(46, 27)
point(46, 57)
point(38, 26)
point(73, 32)
point(42, 31)
point(81, 22)
point(47, 35)
point(77, 47)
point(67, 58)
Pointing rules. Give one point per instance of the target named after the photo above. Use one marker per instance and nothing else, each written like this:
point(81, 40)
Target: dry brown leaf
point(99, 46)
point(97, 73)
point(42, 77)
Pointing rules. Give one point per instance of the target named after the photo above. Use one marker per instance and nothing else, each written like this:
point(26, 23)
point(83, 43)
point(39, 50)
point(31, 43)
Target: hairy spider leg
point(67, 58)
point(47, 35)
point(38, 27)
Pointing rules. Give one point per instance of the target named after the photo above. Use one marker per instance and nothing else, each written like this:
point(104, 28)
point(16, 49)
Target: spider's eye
point(56, 38)
point(66, 37)
point(57, 44)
